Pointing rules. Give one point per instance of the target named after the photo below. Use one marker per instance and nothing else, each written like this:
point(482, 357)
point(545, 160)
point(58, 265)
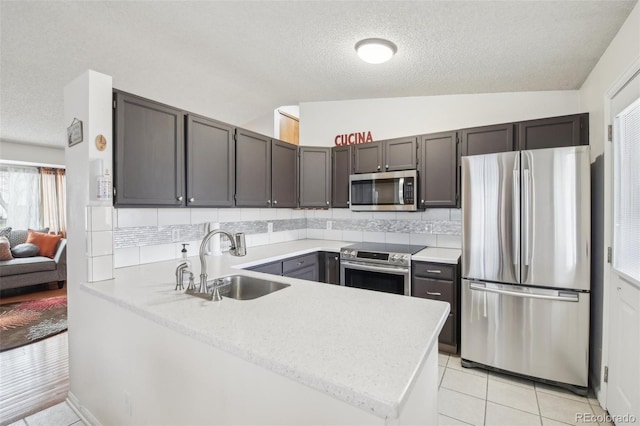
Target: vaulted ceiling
point(238, 60)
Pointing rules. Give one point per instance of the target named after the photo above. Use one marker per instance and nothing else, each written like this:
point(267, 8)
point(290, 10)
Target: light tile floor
point(58, 415)
point(467, 396)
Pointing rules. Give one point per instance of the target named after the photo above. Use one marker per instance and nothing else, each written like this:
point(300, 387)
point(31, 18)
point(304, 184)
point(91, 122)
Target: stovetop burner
point(386, 248)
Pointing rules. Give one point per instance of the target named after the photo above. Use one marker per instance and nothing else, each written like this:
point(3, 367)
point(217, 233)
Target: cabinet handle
point(422, 201)
point(379, 167)
point(301, 262)
point(386, 166)
point(327, 203)
point(191, 200)
point(268, 201)
point(275, 201)
point(431, 293)
point(348, 203)
point(434, 271)
point(179, 198)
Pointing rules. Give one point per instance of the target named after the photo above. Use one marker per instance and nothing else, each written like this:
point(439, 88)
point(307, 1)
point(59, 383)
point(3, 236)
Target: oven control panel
point(400, 259)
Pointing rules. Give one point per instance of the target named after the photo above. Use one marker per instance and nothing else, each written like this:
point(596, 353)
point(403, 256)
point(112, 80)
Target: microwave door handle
point(401, 190)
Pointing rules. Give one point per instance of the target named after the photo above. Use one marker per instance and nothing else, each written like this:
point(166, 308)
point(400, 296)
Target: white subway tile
point(455, 214)
point(361, 215)
point(277, 237)
point(302, 234)
point(174, 217)
point(356, 236)
point(423, 239)
point(283, 214)
point(315, 234)
point(435, 214)
point(229, 215)
point(203, 216)
point(127, 256)
point(150, 254)
point(322, 214)
point(397, 238)
point(341, 213)
point(129, 218)
point(101, 243)
point(266, 214)
point(373, 237)
point(114, 220)
point(101, 218)
point(260, 239)
point(409, 215)
point(333, 234)
point(385, 215)
point(449, 241)
point(291, 235)
point(297, 214)
point(249, 215)
point(101, 268)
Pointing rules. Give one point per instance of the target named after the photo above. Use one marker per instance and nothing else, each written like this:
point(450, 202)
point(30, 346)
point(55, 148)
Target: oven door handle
point(369, 267)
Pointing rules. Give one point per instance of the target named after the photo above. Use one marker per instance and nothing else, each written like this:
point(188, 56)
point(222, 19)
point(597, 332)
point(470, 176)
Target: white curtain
point(20, 196)
point(53, 182)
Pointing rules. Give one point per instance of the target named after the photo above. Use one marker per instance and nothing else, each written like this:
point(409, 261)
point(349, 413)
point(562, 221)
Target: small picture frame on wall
point(74, 132)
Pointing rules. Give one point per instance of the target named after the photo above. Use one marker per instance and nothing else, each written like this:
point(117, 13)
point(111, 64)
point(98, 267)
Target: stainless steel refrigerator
point(525, 263)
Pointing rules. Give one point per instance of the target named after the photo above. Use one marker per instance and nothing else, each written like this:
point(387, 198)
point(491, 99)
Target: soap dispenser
point(184, 258)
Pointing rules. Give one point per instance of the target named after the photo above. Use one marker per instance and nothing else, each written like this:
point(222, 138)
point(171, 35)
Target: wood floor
point(35, 376)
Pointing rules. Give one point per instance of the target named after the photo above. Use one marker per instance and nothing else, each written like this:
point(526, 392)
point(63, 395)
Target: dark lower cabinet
point(274, 268)
point(315, 177)
point(438, 169)
point(439, 281)
point(341, 168)
point(284, 174)
point(253, 169)
point(487, 139)
point(568, 130)
point(305, 267)
point(329, 267)
point(309, 273)
point(210, 163)
point(148, 153)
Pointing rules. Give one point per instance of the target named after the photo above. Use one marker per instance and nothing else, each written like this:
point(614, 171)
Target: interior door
point(623, 393)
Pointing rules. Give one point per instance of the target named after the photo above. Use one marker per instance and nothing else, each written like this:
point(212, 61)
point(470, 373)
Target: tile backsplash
point(152, 235)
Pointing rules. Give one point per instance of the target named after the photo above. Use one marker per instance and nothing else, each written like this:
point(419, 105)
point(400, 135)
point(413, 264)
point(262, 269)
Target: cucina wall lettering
point(353, 138)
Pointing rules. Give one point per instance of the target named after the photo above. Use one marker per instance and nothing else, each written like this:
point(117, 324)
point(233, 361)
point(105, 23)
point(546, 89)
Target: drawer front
point(433, 289)
point(449, 333)
point(292, 264)
point(274, 268)
point(438, 271)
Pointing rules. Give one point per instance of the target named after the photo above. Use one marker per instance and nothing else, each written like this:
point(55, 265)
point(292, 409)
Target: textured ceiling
point(238, 60)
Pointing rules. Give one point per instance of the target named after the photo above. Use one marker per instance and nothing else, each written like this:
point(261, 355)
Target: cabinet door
point(273, 268)
point(309, 273)
point(438, 168)
point(315, 176)
point(149, 153)
point(342, 167)
point(253, 169)
point(487, 139)
point(368, 157)
point(284, 174)
point(400, 154)
point(569, 130)
point(210, 163)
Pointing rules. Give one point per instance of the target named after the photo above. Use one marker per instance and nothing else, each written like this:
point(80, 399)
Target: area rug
point(22, 323)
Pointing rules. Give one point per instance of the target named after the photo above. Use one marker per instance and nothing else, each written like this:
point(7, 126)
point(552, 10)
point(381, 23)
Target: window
point(20, 196)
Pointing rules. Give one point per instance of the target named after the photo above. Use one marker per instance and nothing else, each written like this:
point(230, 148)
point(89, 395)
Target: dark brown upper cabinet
point(315, 176)
point(253, 169)
point(438, 169)
point(568, 130)
point(149, 153)
point(487, 139)
point(385, 156)
point(284, 174)
point(210, 163)
point(341, 168)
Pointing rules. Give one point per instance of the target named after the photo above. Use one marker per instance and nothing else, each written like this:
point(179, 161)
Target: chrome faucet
point(238, 248)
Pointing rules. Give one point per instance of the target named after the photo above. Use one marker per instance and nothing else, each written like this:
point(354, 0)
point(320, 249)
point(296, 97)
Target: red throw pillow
point(47, 244)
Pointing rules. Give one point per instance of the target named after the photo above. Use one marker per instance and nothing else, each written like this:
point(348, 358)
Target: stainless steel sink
point(241, 287)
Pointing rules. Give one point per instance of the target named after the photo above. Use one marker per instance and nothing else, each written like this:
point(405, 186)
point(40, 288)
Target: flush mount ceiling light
point(375, 50)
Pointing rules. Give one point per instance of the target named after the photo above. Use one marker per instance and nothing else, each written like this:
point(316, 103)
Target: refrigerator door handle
point(527, 217)
point(515, 238)
point(562, 296)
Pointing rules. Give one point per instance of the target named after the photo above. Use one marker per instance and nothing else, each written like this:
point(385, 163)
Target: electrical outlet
point(175, 235)
point(269, 227)
point(329, 224)
point(128, 409)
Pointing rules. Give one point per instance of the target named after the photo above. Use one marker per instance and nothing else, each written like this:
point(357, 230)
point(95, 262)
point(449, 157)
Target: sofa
point(27, 271)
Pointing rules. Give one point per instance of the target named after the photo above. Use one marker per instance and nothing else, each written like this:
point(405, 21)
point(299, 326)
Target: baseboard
point(84, 414)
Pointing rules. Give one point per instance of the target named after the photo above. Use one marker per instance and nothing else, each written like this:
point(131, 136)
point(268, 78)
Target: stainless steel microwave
point(385, 191)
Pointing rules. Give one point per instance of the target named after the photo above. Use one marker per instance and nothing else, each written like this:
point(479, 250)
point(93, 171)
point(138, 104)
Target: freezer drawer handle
point(433, 293)
point(434, 271)
point(566, 297)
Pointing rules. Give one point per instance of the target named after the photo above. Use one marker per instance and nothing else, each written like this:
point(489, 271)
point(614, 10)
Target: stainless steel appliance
point(525, 263)
point(378, 266)
point(384, 191)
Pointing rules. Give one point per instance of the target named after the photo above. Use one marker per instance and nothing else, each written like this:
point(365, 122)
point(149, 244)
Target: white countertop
point(362, 347)
point(438, 255)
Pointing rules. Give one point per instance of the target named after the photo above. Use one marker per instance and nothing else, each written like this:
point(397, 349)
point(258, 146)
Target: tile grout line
point(535, 391)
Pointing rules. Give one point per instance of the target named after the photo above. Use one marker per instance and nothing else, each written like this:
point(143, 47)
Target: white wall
point(37, 154)
point(620, 56)
point(388, 118)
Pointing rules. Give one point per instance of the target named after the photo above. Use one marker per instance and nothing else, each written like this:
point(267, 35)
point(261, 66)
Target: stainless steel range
point(378, 266)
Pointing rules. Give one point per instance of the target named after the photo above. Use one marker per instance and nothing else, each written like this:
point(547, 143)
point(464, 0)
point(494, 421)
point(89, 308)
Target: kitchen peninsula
point(311, 353)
